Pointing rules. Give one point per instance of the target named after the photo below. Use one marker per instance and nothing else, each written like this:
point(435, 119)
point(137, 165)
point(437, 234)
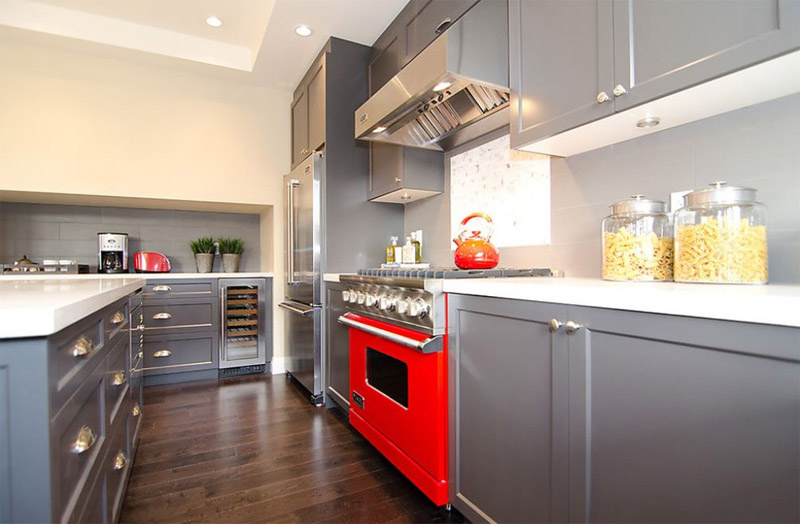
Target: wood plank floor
point(253, 449)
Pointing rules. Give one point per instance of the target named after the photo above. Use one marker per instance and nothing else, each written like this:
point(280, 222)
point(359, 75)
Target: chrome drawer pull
point(136, 411)
point(120, 461)
point(82, 347)
point(162, 316)
point(161, 288)
point(162, 353)
point(86, 439)
point(429, 345)
point(119, 378)
point(117, 318)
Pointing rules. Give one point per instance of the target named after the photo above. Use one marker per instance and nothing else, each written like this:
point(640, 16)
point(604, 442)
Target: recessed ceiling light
point(379, 129)
point(213, 21)
point(441, 86)
point(303, 30)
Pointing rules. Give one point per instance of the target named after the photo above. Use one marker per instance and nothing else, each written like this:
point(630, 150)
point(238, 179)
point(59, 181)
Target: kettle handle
point(476, 215)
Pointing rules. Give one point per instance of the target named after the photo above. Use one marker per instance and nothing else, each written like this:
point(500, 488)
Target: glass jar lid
point(638, 204)
point(719, 193)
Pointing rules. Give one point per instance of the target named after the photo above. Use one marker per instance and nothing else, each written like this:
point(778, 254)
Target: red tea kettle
point(474, 250)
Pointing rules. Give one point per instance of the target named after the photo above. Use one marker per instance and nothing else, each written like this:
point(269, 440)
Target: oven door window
point(388, 375)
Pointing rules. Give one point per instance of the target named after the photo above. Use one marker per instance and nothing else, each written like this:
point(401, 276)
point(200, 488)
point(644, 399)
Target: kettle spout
point(457, 241)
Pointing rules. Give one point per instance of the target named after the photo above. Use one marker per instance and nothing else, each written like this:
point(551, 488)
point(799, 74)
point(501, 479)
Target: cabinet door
point(664, 47)
point(385, 168)
point(386, 63)
point(431, 21)
point(300, 128)
point(682, 420)
point(552, 92)
point(508, 424)
point(337, 347)
point(316, 109)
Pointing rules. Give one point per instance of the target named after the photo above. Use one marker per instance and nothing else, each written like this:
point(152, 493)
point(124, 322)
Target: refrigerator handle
point(290, 230)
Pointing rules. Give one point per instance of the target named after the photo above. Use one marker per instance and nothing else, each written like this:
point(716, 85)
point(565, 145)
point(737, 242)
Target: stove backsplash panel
point(66, 231)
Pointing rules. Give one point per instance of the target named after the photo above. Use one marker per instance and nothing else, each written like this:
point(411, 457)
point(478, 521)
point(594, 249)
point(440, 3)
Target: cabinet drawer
point(115, 469)
point(167, 315)
point(116, 321)
point(73, 360)
point(173, 352)
point(117, 381)
point(92, 511)
point(179, 289)
point(79, 436)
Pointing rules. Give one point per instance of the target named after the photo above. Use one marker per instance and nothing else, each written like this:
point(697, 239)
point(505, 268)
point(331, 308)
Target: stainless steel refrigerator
point(303, 283)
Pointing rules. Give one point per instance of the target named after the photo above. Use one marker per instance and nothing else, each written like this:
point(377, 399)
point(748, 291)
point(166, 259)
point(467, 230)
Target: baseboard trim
point(278, 365)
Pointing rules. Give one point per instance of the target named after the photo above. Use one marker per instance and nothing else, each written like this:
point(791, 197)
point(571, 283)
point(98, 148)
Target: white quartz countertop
point(36, 307)
point(145, 276)
point(769, 304)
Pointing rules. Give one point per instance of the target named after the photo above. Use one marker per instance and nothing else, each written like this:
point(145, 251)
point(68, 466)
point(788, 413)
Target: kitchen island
point(70, 396)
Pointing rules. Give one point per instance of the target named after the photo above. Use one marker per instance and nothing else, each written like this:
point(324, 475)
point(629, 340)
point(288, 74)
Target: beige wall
point(78, 124)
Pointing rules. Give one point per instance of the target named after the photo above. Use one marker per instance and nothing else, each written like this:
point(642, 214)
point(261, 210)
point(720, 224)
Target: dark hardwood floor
point(253, 449)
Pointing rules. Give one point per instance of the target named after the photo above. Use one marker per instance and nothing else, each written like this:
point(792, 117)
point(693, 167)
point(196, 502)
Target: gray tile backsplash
point(757, 147)
point(61, 231)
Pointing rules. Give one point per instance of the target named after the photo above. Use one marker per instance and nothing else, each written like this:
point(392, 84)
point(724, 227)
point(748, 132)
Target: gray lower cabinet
point(181, 321)
point(64, 405)
point(617, 54)
point(337, 347)
point(620, 416)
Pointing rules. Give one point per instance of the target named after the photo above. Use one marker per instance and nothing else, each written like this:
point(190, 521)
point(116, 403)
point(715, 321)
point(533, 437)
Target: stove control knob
point(403, 305)
point(387, 303)
point(346, 295)
point(353, 296)
point(361, 298)
point(418, 308)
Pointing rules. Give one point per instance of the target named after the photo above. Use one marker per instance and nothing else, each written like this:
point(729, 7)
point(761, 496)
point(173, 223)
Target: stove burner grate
point(451, 273)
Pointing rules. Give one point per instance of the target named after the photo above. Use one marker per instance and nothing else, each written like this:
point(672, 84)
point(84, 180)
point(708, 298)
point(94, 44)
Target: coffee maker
point(112, 254)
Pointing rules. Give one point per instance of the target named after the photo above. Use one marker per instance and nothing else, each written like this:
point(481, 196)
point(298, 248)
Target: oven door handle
point(429, 345)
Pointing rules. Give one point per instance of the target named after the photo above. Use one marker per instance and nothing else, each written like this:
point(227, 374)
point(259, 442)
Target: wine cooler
point(244, 318)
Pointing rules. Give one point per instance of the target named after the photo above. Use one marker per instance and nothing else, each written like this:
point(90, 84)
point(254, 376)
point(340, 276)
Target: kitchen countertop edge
point(769, 304)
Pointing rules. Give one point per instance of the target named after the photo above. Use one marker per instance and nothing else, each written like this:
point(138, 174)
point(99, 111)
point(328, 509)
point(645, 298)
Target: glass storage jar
point(637, 241)
point(721, 236)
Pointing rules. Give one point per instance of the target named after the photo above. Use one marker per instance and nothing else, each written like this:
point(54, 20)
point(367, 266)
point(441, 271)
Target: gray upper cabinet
point(620, 416)
point(402, 174)
point(508, 432)
point(664, 47)
point(431, 21)
point(308, 113)
point(617, 54)
point(550, 94)
point(299, 128)
point(385, 62)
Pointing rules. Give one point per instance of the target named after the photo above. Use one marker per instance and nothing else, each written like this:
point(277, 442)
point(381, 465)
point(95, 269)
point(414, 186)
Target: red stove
point(398, 366)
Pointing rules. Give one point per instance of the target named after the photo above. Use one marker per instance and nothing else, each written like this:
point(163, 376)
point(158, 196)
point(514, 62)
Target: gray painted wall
point(62, 231)
point(757, 146)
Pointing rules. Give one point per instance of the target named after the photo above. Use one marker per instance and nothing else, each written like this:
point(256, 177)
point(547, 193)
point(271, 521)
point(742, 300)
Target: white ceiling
point(256, 43)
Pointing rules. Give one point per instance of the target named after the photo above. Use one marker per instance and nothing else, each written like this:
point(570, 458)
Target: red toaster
point(150, 262)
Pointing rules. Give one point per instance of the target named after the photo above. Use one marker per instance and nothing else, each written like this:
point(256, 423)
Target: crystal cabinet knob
point(554, 325)
point(602, 97)
point(619, 90)
point(572, 327)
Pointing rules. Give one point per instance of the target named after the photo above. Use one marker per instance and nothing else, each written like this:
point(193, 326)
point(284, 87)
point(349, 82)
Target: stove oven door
point(398, 399)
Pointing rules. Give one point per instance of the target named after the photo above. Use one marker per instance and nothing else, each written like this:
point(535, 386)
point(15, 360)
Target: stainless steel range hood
point(453, 91)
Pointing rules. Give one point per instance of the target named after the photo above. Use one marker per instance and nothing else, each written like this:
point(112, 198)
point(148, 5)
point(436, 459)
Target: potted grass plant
point(231, 250)
point(203, 249)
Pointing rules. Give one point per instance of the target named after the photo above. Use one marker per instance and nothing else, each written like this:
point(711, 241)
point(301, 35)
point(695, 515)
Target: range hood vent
point(453, 91)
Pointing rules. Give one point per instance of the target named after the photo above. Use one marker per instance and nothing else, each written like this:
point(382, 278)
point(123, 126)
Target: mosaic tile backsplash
point(513, 187)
